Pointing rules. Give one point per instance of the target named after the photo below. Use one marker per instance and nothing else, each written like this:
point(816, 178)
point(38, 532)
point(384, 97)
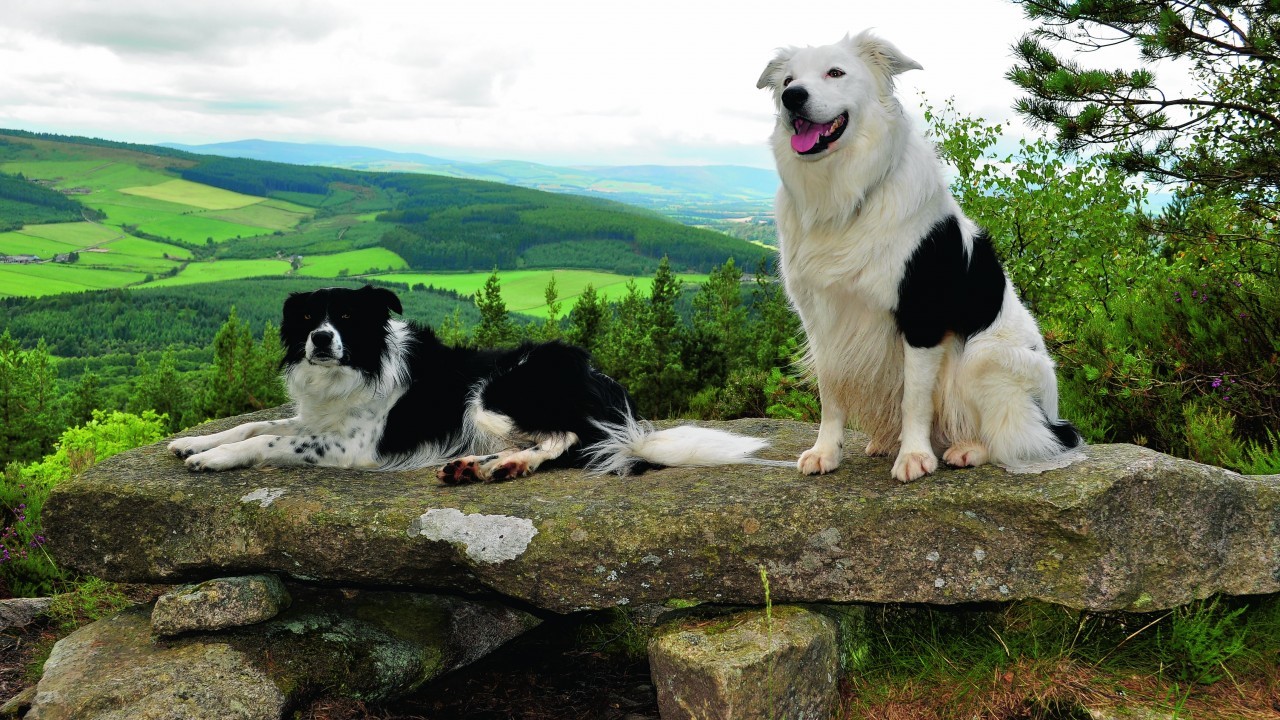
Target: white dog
point(913, 328)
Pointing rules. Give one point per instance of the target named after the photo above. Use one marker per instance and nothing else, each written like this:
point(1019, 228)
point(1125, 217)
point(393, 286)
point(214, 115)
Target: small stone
point(17, 612)
point(747, 665)
point(219, 604)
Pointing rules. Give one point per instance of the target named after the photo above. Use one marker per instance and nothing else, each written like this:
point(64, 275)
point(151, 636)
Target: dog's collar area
point(811, 138)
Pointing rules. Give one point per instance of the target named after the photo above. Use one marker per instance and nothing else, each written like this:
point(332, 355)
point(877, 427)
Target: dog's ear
point(769, 78)
point(881, 54)
point(295, 300)
point(383, 297)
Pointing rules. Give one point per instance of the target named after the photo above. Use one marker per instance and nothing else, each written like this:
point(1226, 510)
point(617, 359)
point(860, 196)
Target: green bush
point(25, 565)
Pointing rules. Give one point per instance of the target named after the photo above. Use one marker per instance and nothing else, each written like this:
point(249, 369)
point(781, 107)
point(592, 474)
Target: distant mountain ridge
point(706, 186)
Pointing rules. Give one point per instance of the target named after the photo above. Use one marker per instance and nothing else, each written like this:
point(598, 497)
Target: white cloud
point(552, 81)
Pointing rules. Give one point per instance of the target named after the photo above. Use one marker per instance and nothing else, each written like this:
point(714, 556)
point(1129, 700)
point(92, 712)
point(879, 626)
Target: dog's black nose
point(322, 338)
point(793, 98)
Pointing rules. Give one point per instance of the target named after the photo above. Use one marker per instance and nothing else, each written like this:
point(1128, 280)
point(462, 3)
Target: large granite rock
point(1127, 528)
point(370, 645)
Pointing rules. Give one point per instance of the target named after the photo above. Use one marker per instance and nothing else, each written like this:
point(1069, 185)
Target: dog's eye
point(786, 81)
point(835, 73)
point(306, 317)
point(346, 316)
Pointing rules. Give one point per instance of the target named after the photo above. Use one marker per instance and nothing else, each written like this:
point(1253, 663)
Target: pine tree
point(551, 328)
point(244, 376)
point(30, 416)
point(495, 328)
point(1230, 113)
point(587, 320)
point(85, 397)
point(162, 389)
point(669, 386)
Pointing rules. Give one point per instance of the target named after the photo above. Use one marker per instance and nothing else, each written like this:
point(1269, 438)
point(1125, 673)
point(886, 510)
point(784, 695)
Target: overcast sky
point(644, 81)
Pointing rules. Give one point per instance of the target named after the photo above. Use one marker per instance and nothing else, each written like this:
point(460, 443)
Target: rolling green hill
point(229, 218)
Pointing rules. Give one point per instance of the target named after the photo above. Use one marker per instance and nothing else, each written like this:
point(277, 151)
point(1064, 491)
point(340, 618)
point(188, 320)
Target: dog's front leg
point(920, 377)
point(283, 450)
point(187, 446)
point(826, 453)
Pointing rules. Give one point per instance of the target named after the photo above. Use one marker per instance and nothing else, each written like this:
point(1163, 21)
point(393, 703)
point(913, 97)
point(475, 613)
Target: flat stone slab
point(1125, 529)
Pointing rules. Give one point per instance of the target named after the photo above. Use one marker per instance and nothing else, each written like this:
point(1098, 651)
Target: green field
point(216, 270)
point(17, 243)
point(122, 259)
point(525, 290)
point(182, 192)
point(355, 262)
point(95, 174)
point(160, 204)
point(51, 279)
point(47, 240)
point(129, 245)
point(77, 234)
point(271, 214)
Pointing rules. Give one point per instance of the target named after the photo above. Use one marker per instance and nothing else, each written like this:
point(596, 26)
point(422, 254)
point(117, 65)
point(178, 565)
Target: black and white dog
point(913, 329)
point(374, 392)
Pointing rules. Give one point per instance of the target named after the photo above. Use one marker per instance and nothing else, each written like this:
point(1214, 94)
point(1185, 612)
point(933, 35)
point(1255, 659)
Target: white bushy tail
point(634, 441)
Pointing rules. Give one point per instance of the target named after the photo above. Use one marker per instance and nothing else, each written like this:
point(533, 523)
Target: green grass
point(187, 228)
point(355, 262)
point(97, 247)
point(1213, 658)
point(218, 270)
point(121, 251)
point(138, 247)
point(183, 192)
point(51, 279)
point(78, 235)
point(110, 259)
point(97, 174)
point(162, 205)
point(260, 215)
point(18, 243)
point(524, 290)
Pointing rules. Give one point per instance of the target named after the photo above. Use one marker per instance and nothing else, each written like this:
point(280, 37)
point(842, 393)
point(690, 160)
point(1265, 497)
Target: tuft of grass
point(614, 631)
point(87, 601)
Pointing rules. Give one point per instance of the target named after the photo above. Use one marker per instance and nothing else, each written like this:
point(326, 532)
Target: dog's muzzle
point(321, 347)
point(809, 137)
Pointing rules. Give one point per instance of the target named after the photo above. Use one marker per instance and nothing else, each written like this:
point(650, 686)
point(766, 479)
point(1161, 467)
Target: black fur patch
point(359, 316)
point(1067, 434)
point(945, 290)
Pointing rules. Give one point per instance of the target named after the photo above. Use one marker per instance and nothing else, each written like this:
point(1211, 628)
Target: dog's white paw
point(965, 454)
point(914, 465)
point(218, 458)
point(818, 460)
point(187, 446)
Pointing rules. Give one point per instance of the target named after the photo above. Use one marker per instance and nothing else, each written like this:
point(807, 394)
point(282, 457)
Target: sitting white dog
point(913, 328)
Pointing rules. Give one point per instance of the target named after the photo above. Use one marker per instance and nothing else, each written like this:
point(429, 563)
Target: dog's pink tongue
point(807, 135)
